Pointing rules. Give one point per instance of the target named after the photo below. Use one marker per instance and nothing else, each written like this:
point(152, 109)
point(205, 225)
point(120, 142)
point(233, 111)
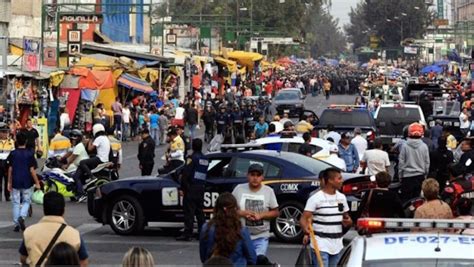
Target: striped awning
point(134, 83)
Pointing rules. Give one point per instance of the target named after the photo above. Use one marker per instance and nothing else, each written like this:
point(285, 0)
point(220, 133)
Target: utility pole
point(4, 46)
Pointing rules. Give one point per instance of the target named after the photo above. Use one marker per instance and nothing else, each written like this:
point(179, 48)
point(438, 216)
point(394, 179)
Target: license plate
point(286, 111)
point(396, 140)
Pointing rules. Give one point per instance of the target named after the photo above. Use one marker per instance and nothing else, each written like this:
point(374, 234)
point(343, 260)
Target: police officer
point(222, 120)
point(116, 153)
point(237, 121)
point(7, 145)
point(193, 181)
point(146, 153)
point(248, 118)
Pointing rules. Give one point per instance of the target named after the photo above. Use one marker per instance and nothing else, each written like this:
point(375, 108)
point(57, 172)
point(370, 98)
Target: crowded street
point(106, 247)
point(141, 133)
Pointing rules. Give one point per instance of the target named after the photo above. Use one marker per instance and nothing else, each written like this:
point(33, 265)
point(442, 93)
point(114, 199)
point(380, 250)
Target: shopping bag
point(37, 197)
point(304, 258)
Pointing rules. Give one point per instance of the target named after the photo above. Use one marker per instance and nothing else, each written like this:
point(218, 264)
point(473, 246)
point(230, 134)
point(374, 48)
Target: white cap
point(333, 149)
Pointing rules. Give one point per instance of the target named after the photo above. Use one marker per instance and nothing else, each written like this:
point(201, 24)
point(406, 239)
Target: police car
point(291, 142)
point(434, 248)
point(128, 205)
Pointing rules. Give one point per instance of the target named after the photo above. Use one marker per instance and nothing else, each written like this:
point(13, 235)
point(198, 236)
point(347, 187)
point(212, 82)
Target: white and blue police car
point(421, 242)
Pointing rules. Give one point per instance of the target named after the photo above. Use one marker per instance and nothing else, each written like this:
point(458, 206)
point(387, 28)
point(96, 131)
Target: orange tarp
point(94, 79)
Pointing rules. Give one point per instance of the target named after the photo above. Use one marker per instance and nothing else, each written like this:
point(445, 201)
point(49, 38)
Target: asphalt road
point(107, 248)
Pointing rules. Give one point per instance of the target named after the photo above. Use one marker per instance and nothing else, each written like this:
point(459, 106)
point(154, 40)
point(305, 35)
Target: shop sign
point(89, 19)
point(410, 50)
point(49, 56)
point(31, 54)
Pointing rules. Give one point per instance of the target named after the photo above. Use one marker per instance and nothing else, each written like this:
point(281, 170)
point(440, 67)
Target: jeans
point(328, 259)
point(84, 172)
point(261, 245)
point(411, 187)
point(155, 134)
point(118, 122)
point(125, 134)
point(21, 200)
point(192, 131)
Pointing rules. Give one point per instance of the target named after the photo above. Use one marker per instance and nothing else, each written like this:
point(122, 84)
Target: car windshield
point(345, 118)
point(447, 108)
point(312, 165)
point(287, 96)
point(419, 263)
point(392, 120)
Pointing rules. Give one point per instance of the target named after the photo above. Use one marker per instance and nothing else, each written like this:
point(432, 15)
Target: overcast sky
point(341, 8)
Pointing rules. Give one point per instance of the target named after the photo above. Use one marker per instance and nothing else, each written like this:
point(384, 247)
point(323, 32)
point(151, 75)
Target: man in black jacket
point(146, 153)
point(191, 119)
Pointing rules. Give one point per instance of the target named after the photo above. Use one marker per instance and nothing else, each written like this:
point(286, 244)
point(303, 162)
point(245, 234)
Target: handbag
point(37, 197)
point(304, 258)
point(50, 245)
point(365, 212)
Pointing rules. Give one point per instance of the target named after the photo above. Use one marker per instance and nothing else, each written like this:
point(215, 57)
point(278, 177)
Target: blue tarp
point(434, 68)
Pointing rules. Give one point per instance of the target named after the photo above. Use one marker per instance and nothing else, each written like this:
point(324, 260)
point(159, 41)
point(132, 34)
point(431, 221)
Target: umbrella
point(430, 68)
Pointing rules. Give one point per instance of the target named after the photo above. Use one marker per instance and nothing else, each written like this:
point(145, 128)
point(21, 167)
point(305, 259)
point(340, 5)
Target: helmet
point(97, 128)
point(75, 134)
point(415, 130)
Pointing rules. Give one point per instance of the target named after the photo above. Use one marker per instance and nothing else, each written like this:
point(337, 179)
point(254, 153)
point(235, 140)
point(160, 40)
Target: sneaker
point(82, 198)
point(21, 223)
point(16, 229)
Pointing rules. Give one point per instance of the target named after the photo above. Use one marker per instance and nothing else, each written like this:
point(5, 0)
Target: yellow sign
point(41, 125)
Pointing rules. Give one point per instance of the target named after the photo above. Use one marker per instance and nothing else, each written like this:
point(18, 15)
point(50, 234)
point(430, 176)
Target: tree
point(305, 20)
point(391, 21)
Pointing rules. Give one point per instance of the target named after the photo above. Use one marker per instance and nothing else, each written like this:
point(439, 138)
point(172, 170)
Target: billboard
point(31, 54)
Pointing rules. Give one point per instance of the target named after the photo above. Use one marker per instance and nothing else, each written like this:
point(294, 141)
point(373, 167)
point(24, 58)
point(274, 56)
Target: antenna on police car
point(437, 249)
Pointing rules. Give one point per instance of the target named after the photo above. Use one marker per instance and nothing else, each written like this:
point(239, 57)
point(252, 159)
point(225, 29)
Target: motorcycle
point(54, 178)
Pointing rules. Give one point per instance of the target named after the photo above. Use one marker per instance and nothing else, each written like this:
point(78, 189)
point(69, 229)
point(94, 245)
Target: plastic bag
point(304, 258)
point(37, 197)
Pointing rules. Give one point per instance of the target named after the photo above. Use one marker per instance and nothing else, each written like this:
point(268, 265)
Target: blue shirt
point(243, 254)
point(21, 160)
point(350, 156)
point(260, 129)
point(154, 121)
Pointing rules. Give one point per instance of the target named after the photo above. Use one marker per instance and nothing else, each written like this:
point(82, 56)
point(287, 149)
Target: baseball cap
point(255, 167)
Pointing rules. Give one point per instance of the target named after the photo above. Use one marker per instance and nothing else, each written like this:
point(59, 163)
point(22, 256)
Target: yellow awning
point(95, 63)
point(247, 59)
point(230, 64)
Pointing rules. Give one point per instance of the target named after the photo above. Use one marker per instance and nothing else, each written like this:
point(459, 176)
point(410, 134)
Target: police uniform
point(222, 120)
point(6, 146)
point(146, 155)
point(193, 184)
point(116, 154)
point(237, 120)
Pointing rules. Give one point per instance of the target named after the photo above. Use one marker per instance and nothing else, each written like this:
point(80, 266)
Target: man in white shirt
point(335, 136)
point(126, 122)
point(375, 160)
point(464, 120)
point(334, 158)
point(79, 152)
point(328, 211)
point(359, 142)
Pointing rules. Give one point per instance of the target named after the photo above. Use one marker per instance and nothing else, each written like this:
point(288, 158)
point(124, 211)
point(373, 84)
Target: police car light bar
point(347, 106)
point(389, 223)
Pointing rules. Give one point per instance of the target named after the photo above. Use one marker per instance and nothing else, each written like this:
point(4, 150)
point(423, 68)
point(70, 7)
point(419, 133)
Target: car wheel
point(126, 215)
point(287, 226)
